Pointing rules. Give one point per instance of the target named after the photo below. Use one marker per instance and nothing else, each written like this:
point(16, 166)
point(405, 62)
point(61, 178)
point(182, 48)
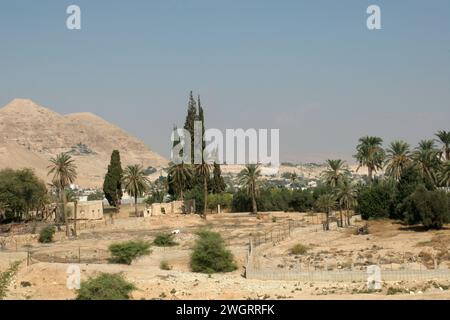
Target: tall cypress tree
point(201, 117)
point(191, 117)
point(218, 184)
point(112, 186)
point(171, 189)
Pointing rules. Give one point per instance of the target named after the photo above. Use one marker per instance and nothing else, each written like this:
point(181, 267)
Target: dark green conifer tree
point(112, 186)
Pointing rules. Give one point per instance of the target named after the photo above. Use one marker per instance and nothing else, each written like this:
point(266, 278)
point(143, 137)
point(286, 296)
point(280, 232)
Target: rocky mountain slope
point(30, 135)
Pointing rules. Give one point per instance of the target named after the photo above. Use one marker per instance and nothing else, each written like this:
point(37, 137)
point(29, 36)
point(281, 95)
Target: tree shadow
point(418, 228)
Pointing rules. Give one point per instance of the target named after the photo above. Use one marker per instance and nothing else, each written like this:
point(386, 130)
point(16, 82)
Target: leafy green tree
point(197, 195)
point(241, 202)
point(135, 183)
point(249, 179)
point(302, 200)
point(64, 173)
point(326, 203)
point(222, 199)
point(336, 172)
point(112, 186)
point(444, 138)
point(397, 159)
point(21, 192)
point(370, 154)
point(375, 201)
point(430, 208)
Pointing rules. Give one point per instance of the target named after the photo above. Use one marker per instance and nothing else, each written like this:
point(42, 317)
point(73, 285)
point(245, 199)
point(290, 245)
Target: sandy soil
point(392, 243)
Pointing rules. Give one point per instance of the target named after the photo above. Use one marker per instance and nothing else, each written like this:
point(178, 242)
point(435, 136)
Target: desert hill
point(31, 134)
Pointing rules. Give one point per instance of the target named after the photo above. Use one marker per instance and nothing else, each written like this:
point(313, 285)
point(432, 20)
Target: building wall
point(89, 210)
point(157, 209)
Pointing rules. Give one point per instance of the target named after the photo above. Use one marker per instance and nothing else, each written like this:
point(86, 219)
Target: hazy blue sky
point(310, 68)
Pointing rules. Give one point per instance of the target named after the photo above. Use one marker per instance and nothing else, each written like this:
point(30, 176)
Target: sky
point(309, 68)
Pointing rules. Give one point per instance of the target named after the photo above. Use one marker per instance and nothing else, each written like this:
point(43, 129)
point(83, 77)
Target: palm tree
point(64, 173)
point(326, 203)
point(293, 178)
point(397, 159)
point(203, 171)
point(336, 172)
point(370, 154)
point(135, 183)
point(445, 174)
point(249, 178)
point(346, 196)
point(426, 160)
point(180, 175)
point(444, 138)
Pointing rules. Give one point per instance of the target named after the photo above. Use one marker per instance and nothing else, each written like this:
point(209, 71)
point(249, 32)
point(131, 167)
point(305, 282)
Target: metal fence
point(258, 243)
point(346, 275)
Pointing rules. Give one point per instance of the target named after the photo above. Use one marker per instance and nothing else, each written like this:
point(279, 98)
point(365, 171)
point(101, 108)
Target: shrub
point(364, 230)
point(105, 287)
point(6, 278)
point(209, 254)
point(164, 265)
point(126, 252)
point(164, 240)
point(46, 234)
point(430, 208)
point(299, 249)
point(392, 291)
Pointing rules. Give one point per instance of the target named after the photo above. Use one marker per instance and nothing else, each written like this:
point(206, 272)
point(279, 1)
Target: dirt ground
point(388, 243)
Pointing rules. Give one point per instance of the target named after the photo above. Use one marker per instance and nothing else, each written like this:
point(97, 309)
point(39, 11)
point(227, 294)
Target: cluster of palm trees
point(343, 195)
point(431, 162)
point(181, 176)
point(64, 172)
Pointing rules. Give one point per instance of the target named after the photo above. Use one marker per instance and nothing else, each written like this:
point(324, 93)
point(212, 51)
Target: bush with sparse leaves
point(299, 249)
point(46, 234)
point(210, 254)
point(164, 240)
point(126, 252)
point(6, 278)
point(105, 287)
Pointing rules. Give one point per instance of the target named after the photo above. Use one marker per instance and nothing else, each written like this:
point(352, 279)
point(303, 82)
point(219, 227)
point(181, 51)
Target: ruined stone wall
point(157, 209)
point(89, 210)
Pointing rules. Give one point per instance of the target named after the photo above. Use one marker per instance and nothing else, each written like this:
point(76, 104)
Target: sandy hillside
point(30, 135)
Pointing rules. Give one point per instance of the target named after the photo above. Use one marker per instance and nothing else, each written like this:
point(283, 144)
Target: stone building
point(174, 207)
point(87, 210)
